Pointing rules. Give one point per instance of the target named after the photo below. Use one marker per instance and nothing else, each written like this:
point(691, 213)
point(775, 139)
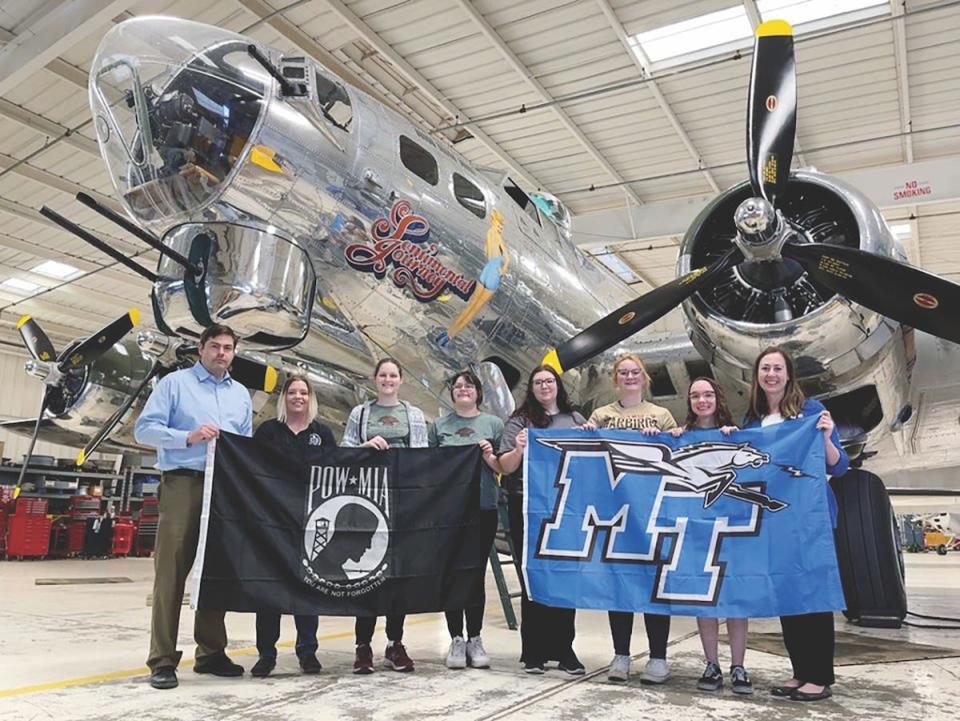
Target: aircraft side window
point(469, 196)
point(660, 383)
point(522, 199)
point(334, 103)
point(418, 160)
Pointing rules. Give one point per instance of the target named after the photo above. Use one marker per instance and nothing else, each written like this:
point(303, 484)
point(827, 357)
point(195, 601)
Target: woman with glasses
point(707, 408)
point(776, 397)
point(546, 632)
point(467, 425)
point(632, 411)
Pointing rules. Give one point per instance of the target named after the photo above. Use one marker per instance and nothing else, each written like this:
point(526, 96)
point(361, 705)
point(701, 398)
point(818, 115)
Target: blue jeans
point(268, 631)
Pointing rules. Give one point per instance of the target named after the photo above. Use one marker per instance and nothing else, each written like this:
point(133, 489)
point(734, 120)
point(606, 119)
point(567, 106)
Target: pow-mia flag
point(731, 526)
point(342, 531)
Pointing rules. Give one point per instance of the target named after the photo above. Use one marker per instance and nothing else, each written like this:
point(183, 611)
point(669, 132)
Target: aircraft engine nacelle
point(842, 350)
point(88, 396)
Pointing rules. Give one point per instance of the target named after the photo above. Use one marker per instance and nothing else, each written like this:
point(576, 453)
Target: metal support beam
point(903, 76)
point(542, 93)
point(55, 181)
point(424, 86)
point(42, 125)
point(886, 187)
point(642, 64)
point(58, 30)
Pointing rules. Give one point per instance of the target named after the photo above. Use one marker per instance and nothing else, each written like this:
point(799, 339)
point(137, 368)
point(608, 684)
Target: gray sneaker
point(712, 678)
point(656, 671)
point(619, 669)
point(476, 654)
point(740, 680)
point(457, 655)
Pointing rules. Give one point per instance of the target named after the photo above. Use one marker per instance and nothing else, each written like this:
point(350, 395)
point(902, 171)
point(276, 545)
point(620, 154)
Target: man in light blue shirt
point(187, 409)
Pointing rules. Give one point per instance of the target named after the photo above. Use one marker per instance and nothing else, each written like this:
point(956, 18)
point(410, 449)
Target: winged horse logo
point(707, 468)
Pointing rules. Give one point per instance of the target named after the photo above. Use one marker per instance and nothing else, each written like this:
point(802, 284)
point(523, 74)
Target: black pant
point(658, 631)
point(268, 631)
point(546, 632)
point(487, 529)
point(809, 641)
point(364, 626)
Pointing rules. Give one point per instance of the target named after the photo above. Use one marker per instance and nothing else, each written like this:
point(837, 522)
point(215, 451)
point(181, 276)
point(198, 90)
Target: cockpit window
point(177, 131)
point(334, 103)
point(521, 199)
point(469, 196)
point(418, 160)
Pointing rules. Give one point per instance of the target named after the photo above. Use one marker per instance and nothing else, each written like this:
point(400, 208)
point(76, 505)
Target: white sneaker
point(656, 671)
point(619, 668)
point(457, 655)
point(476, 654)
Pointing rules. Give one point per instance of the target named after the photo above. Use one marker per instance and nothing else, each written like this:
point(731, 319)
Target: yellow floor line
point(185, 663)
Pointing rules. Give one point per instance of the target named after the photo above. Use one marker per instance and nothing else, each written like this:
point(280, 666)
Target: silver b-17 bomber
point(329, 231)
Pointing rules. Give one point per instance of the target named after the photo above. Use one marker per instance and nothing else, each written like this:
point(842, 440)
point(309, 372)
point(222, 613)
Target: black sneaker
point(309, 663)
point(740, 680)
point(218, 665)
point(571, 664)
point(164, 677)
point(533, 668)
point(263, 667)
point(712, 678)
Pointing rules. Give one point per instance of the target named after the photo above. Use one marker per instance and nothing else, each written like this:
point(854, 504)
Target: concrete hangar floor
point(75, 652)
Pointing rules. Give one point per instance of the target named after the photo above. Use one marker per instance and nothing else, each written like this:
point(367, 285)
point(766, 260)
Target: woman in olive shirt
point(467, 425)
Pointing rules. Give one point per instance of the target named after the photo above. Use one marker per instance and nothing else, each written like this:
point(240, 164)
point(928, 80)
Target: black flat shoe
point(798, 695)
point(783, 691)
point(164, 677)
point(263, 667)
point(309, 663)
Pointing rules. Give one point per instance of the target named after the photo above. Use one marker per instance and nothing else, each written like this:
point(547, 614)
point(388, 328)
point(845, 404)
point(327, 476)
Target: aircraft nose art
point(175, 104)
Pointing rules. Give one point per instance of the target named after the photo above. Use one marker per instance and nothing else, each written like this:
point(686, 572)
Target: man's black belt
point(187, 472)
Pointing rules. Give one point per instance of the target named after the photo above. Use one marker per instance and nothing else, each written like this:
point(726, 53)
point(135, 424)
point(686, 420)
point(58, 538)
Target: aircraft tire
point(941, 550)
point(868, 550)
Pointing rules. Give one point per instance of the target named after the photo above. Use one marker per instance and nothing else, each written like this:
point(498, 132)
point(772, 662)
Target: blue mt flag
point(734, 526)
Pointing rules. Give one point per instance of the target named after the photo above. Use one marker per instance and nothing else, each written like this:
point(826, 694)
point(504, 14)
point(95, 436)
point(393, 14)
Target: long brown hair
point(793, 399)
point(721, 415)
point(532, 411)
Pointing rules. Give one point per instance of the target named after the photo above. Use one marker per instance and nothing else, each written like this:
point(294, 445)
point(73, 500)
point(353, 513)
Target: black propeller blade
point(254, 375)
point(637, 314)
point(112, 422)
point(897, 290)
point(771, 110)
point(36, 341)
point(98, 343)
point(33, 442)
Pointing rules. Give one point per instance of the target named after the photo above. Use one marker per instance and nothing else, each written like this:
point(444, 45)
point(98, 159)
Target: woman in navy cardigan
point(775, 397)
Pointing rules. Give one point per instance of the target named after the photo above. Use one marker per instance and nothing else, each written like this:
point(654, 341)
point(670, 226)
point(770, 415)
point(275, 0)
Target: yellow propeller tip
point(81, 459)
point(551, 359)
point(23, 319)
point(16, 492)
point(270, 379)
point(774, 27)
point(135, 316)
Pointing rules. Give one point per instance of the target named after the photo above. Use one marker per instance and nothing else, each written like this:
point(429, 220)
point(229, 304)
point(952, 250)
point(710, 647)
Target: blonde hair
point(313, 407)
point(644, 376)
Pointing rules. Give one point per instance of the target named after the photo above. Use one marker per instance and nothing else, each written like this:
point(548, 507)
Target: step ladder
point(503, 534)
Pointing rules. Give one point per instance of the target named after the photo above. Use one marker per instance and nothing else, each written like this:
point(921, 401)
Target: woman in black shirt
point(295, 429)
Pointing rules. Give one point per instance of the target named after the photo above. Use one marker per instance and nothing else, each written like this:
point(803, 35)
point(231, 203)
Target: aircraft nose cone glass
point(174, 104)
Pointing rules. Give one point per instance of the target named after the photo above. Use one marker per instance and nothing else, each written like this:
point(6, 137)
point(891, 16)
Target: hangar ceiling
point(551, 90)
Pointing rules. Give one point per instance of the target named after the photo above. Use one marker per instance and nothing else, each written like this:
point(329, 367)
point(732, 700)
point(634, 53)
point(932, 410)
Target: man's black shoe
point(263, 667)
point(310, 664)
point(219, 665)
point(164, 677)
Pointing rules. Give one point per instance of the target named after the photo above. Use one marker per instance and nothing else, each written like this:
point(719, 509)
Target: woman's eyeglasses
point(631, 373)
point(708, 396)
point(544, 382)
point(462, 386)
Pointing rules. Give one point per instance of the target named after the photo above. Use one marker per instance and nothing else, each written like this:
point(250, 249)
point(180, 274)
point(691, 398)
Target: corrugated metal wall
point(20, 398)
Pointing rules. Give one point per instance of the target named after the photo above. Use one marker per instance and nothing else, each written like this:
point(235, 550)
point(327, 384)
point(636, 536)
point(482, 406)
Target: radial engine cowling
point(835, 343)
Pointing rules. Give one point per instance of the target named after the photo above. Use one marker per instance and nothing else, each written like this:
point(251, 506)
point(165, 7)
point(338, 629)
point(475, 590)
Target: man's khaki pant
point(181, 500)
